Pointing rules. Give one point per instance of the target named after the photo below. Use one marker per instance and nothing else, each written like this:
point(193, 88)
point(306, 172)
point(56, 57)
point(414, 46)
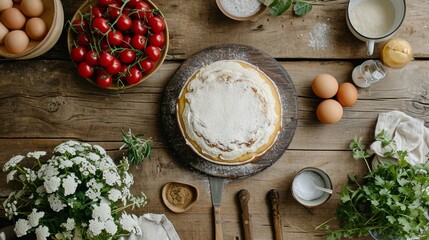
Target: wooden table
point(43, 102)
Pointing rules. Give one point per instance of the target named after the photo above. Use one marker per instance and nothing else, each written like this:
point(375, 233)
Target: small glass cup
point(369, 72)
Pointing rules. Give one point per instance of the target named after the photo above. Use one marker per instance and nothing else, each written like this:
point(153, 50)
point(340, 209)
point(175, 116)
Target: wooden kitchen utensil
point(246, 217)
point(274, 199)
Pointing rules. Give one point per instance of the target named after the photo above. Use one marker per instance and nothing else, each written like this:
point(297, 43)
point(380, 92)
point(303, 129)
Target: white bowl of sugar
point(305, 183)
point(241, 10)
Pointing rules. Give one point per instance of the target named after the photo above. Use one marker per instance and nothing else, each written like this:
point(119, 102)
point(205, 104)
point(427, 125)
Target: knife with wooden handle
point(246, 218)
point(274, 199)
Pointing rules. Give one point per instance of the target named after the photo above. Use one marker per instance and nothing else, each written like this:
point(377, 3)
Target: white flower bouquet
point(78, 193)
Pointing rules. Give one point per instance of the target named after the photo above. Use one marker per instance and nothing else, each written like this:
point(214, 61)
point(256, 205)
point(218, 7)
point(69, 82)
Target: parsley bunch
point(393, 200)
point(138, 147)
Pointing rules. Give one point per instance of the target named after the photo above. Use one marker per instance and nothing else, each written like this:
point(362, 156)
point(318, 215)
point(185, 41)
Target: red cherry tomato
point(106, 59)
point(138, 42)
point(126, 42)
point(114, 10)
point(104, 80)
point(115, 38)
point(143, 9)
point(134, 76)
point(138, 27)
point(157, 39)
point(79, 25)
point(127, 56)
point(114, 67)
point(104, 45)
point(78, 54)
point(132, 3)
point(153, 53)
point(91, 58)
point(84, 70)
point(97, 12)
point(100, 25)
point(156, 24)
point(124, 23)
point(105, 2)
point(147, 65)
point(82, 40)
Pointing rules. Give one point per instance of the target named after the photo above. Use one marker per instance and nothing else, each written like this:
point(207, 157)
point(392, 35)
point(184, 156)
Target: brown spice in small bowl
point(179, 197)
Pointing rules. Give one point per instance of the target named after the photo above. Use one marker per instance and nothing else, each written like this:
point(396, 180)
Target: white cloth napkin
point(409, 134)
point(155, 227)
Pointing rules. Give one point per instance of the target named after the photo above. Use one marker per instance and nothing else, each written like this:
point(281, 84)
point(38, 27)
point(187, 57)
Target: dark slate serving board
point(269, 66)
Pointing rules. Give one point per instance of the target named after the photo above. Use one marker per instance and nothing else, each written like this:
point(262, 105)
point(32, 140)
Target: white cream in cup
point(304, 191)
point(375, 20)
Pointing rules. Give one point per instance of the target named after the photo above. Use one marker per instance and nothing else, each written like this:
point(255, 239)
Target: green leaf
point(278, 7)
point(301, 8)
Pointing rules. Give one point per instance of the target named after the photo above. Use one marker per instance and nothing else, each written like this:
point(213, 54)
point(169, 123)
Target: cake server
point(246, 217)
point(274, 199)
point(216, 189)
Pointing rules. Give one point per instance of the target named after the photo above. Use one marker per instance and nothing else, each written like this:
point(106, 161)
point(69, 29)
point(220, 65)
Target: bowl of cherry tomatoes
point(117, 44)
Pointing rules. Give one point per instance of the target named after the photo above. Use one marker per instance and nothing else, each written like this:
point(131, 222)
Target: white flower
point(66, 164)
point(95, 227)
point(111, 227)
point(69, 225)
point(93, 156)
point(10, 176)
point(48, 171)
point(70, 184)
point(30, 174)
point(130, 223)
point(42, 233)
point(12, 162)
point(34, 217)
point(111, 177)
point(21, 227)
point(92, 193)
point(52, 184)
point(65, 148)
point(56, 203)
point(78, 160)
point(40, 190)
point(102, 212)
point(128, 179)
point(100, 150)
point(37, 154)
point(114, 194)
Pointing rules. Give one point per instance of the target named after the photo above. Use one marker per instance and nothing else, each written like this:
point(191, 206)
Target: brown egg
point(3, 32)
point(16, 41)
point(32, 8)
point(329, 111)
point(36, 28)
point(325, 85)
point(13, 18)
point(347, 94)
point(5, 4)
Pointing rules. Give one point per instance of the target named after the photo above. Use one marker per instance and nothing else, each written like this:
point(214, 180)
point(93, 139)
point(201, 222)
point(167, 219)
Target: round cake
point(229, 112)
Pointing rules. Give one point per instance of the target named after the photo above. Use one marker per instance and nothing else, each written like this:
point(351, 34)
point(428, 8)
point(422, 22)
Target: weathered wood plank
point(51, 101)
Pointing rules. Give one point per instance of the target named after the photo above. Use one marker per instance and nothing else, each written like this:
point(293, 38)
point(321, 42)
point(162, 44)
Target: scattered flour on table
point(319, 37)
point(241, 8)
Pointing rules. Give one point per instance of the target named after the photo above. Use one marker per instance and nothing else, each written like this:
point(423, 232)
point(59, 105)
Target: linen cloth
point(155, 227)
point(409, 134)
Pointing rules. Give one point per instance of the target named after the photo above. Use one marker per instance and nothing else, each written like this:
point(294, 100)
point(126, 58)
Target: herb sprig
point(278, 7)
point(138, 147)
point(393, 200)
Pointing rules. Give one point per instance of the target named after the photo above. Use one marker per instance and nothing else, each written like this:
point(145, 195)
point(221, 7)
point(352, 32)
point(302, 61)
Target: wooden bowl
point(239, 18)
point(179, 197)
point(70, 43)
point(53, 15)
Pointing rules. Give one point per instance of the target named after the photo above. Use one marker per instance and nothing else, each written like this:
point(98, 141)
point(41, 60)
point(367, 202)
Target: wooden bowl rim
point(144, 77)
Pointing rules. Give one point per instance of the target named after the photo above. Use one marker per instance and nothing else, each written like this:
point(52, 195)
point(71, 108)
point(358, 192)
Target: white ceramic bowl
point(320, 200)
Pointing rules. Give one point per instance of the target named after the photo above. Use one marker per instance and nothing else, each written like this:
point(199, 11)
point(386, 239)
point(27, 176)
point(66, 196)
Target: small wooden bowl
point(239, 18)
point(53, 15)
point(70, 43)
point(179, 197)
